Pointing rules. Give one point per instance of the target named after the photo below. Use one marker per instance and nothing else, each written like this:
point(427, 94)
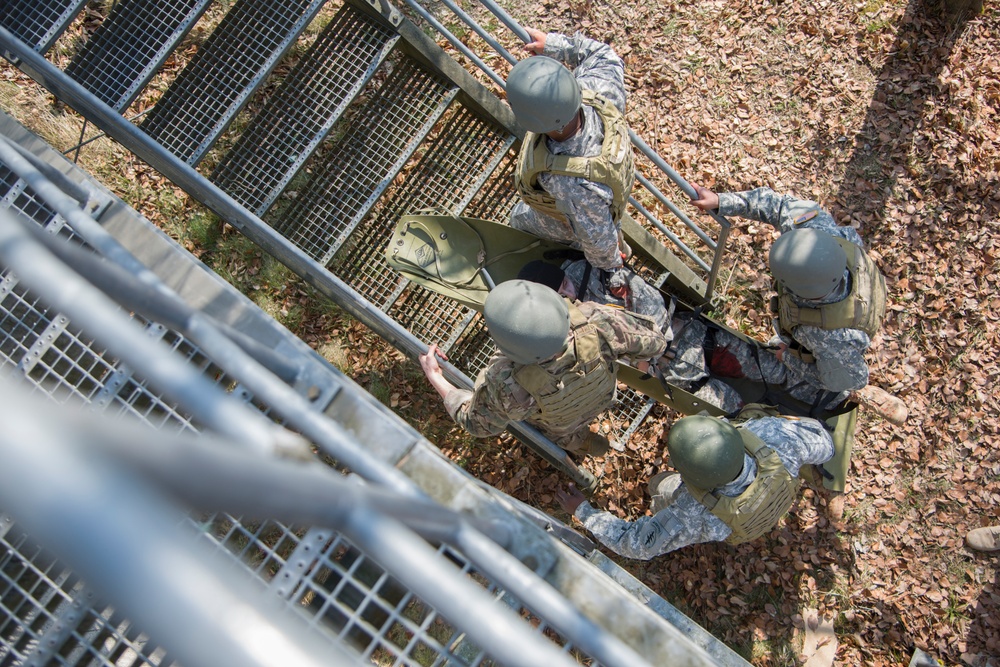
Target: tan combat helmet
point(807, 262)
point(707, 452)
point(529, 322)
point(543, 94)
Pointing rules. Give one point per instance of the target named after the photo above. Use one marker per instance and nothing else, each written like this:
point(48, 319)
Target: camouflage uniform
point(643, 298)
point(690, 370)
point(497, 399)
point(840, 365)
point(681, 520)
point(588, 204)
point(687, 370)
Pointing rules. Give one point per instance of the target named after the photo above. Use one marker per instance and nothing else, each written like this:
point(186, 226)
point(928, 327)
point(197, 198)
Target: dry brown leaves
point(888, 116)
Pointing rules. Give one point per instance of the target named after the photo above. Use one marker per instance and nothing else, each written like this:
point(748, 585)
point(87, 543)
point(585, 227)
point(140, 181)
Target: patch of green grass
point(775, 651)
point(671, 27)
point(204, 229)
point(377, 386)
point(873, 9)
point(721, 102)
point(274, 275)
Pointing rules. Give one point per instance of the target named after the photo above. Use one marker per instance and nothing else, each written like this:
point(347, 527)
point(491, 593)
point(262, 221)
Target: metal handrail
point(717, 247)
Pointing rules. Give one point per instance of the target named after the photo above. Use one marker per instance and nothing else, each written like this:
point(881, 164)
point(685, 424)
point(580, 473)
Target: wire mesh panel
point(349, 592)
point(454, 159)
point(355, 172)
point(629, 411)
point(429, 315)
point(473, 349)
point(130, 46)
point(225, 71)
point(38, 23)
point(48, 616)
point(63, 363)
point(15, 194)
point(497, 197)
point(304, 109)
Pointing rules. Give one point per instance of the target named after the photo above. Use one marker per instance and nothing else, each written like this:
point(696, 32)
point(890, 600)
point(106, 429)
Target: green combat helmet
point(528, 322)
point(543, 94)
point(807, 262)
point(707, 452)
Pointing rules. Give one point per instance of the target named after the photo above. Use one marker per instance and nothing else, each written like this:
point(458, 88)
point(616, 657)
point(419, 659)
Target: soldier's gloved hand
point(616, 283)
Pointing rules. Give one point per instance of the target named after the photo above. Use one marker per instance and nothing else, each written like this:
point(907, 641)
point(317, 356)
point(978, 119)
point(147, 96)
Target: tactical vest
point(755, 511)
point(863, 308)
point(579, 394)
point(614, 167)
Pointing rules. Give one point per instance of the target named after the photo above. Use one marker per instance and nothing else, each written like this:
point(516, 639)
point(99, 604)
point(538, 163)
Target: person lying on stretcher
point(700, 355)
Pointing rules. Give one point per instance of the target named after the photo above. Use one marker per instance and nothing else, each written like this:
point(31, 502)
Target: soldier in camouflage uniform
point(684, 365)
point(555, 366)
point(565, 121)
point(734, 485)
point(568, 280)
point(818, 266)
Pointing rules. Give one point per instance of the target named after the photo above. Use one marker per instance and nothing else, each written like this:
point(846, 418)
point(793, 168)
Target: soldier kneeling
point(736, 480)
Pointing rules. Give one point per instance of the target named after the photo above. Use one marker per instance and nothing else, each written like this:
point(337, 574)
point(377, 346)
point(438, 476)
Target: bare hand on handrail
point(707, 200)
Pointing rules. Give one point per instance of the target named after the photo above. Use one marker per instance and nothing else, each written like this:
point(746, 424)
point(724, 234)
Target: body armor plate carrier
point(863, 308)
point(571, 401)
point(755, 511)
point(613, 167)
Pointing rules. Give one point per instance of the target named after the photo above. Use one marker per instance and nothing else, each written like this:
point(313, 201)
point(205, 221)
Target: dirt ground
point(887, 113)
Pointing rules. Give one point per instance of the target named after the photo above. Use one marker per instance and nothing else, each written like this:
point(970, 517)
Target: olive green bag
point(459, 257)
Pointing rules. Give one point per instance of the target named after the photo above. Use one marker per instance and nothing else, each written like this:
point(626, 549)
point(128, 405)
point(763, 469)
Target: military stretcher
point(462, 258)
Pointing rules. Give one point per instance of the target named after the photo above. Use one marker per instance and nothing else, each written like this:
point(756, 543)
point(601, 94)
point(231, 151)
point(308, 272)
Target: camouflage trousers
point(732, 357)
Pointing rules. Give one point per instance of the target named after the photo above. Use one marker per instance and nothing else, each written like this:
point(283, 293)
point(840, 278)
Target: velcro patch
point(806, 217)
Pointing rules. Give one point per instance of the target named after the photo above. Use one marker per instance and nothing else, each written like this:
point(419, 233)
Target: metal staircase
point(372, 120)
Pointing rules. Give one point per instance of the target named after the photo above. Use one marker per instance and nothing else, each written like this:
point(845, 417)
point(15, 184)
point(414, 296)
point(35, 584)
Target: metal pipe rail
point(264, 486)
point(203, 190)
point(89, 308)
point(45, 274)
point(148, 295)
point(204, 610)
point(209, 474)
point(113, 557)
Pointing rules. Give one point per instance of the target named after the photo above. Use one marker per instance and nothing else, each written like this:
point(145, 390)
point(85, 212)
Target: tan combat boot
point(984, 539)
point(880, 401)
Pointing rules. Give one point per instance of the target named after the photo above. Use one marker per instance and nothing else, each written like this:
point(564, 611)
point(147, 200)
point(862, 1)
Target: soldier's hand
point(537, 43)
point(569, 498)
point(428, 360)
point(616, 282)
point(706, 200)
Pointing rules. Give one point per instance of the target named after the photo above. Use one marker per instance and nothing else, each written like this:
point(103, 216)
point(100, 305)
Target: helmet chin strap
point(570, 129)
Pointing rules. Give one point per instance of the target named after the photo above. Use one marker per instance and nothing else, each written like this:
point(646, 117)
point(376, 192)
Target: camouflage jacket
point(596, 67)
point(840, 364)
point(797, 442)
point(497, 399)
point(643, 297)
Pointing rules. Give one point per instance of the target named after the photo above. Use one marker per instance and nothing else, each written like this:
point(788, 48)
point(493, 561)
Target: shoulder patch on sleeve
point(805, 217)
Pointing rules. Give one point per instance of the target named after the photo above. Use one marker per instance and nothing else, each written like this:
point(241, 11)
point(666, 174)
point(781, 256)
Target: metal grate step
point(129, 47)
point(463, 153)
point(38, 23)
point(357, 170)
point(231, 64)
point(304, 109)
